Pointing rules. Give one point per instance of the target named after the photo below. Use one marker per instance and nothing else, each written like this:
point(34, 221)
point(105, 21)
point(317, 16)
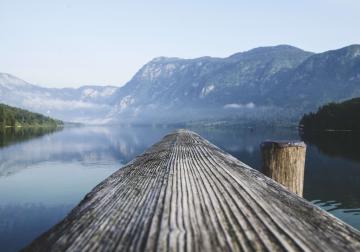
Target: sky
point(62, 43)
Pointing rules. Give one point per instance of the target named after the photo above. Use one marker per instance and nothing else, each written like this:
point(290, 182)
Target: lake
point(44, 174)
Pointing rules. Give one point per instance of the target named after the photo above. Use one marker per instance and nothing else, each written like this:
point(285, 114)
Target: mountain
point(325, 77)
point(84, 104)
point(268, 83)
point(272, 84)
point(204, 87)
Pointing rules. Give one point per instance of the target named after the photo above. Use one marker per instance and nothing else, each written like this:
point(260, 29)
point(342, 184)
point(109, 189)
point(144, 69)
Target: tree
point(2, 117)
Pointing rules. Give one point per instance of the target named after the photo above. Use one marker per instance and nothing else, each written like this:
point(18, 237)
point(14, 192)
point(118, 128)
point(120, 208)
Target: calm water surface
point(43, 175)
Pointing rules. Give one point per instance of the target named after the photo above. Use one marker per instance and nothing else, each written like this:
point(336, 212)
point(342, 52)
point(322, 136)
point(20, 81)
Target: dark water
point(45, 174)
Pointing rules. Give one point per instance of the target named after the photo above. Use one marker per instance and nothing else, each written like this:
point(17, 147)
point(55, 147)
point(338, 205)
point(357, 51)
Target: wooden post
point(284, 161)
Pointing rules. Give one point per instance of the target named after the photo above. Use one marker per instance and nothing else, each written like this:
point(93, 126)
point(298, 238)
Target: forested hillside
point(14, 117)
point(334, 116)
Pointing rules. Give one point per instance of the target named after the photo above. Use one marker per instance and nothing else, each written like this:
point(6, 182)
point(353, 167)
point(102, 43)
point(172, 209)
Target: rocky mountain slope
point(323, 78)
point(204, 87)
point(277, 83)
point(268, 83)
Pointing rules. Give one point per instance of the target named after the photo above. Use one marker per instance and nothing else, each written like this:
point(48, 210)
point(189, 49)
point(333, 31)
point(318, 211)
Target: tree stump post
point(284, 161)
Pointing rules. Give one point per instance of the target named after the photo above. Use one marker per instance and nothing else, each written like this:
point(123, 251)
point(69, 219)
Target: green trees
point(2, 117)
point(12, 117)
point(334, 116)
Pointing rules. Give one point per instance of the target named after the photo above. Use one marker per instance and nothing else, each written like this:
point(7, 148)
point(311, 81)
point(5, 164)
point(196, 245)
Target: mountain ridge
point(243, 70)
point(83, 104)
point(269, 83)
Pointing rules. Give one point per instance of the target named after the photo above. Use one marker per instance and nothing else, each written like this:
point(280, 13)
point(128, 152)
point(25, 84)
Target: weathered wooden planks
point(185, 194)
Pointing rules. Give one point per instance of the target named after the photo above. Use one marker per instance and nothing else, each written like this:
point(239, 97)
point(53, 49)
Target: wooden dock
point(185, 194)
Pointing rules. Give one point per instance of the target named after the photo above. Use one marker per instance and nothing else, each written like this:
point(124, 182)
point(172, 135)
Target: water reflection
point(332, 173)
point(43, 178)
point(335, 143)
point(20, 223)
point(334, 182)
point(10, 136)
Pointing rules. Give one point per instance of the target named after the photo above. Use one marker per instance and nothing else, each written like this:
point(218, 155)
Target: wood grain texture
point(284, 162)
point(185, 194)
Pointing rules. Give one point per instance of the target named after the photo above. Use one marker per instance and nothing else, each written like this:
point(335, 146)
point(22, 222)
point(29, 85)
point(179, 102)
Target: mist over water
point(43, 178)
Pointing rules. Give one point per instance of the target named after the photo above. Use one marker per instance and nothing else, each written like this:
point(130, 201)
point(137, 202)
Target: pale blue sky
point(72, 43)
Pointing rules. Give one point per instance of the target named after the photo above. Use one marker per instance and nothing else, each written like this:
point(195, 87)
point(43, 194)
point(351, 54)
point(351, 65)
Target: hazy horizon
point(66, 44)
